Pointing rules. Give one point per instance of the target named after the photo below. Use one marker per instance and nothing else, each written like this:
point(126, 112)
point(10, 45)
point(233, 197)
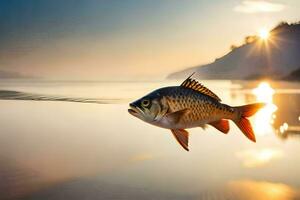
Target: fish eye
point(145, 102)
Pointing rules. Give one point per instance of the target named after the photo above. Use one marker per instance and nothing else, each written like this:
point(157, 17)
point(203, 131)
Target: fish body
point(201, 108)
point(191, 105)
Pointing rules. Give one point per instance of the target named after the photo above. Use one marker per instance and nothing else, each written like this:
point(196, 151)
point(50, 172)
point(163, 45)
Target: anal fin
point(182, 137)
point(222, 125)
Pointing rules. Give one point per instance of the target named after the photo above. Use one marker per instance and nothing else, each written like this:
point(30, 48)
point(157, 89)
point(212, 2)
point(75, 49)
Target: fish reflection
point(248, 190)
point(264, 119)
point(257, 158)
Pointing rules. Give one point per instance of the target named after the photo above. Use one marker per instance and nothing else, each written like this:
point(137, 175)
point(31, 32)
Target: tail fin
point(243, 123)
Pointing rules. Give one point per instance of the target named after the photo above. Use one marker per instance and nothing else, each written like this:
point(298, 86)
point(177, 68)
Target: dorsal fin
point(195, 85)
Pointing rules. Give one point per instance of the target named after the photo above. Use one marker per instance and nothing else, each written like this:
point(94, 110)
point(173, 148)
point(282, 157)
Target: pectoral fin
point(182, 137)
point(174, 117)
point(222, 125)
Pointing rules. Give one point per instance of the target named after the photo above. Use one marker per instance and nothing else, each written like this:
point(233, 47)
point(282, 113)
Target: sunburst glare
point(264, 33)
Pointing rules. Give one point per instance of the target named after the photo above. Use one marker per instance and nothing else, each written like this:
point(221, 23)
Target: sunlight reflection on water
point(249, 190)
point(257, 158)
point(264, 118)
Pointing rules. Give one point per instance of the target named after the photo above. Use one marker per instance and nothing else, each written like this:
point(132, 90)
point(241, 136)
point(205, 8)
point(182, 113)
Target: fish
point(192, 105)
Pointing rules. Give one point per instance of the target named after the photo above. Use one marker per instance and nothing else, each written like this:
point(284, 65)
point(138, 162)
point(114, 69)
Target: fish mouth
point(134, 110)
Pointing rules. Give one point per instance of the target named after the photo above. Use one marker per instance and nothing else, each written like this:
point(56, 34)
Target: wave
point(17, 95)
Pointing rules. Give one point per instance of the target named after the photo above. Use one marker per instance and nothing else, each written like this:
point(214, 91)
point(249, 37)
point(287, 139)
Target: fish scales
point(202, 106)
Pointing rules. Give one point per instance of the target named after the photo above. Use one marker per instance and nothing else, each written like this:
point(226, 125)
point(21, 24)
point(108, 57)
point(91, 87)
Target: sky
point(127, 39)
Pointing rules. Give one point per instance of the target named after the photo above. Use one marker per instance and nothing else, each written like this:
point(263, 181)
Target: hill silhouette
point(277, 57)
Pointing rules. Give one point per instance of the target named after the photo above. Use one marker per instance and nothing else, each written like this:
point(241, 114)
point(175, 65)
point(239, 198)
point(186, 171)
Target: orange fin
point(222, 125)
point(196, 86)
point(243, 123)
point(250, 109)
point(245, 126)
point(182, 137)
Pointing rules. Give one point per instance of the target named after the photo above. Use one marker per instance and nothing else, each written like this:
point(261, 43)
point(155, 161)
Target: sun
point(264, 33)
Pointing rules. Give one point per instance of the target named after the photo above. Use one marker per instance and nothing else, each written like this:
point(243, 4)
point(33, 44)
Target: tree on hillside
point(249, 39)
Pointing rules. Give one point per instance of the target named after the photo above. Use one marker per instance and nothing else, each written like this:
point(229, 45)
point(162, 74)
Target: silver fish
point(191, 105)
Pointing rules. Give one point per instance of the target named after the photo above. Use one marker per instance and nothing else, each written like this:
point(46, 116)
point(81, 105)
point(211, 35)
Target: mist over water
point(53, 149)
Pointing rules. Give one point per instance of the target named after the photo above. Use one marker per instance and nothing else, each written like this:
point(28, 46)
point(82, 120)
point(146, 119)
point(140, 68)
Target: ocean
point(54, 149)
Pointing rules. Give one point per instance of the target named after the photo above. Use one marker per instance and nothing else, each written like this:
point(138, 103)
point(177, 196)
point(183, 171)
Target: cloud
point(252, 6)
